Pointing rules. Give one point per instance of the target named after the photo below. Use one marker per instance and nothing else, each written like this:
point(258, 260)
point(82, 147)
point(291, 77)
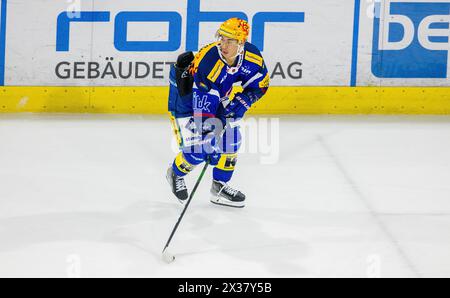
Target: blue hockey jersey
point(214, 79)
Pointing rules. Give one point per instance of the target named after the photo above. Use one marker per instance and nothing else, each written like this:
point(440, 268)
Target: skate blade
point(223, 202)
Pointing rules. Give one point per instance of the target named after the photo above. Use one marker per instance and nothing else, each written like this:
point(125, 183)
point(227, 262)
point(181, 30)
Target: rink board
point(332, 57)
point(304, 43)
point(279, 100)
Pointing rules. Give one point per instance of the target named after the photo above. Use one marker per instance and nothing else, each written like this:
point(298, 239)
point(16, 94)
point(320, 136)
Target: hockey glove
point(238, 106)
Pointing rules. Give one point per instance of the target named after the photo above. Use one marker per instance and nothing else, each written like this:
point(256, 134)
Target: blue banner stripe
point(355, 44)
point(2, 42)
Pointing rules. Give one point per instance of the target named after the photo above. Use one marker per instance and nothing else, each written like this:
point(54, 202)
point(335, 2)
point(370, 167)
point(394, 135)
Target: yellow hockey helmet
point(236, 29)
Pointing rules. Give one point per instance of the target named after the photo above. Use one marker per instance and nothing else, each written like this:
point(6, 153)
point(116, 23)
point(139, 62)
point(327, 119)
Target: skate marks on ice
point(241, 236)
point(145, 226)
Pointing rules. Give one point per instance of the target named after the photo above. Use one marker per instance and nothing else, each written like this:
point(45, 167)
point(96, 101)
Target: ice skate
point(177, 185)
point(225, 195)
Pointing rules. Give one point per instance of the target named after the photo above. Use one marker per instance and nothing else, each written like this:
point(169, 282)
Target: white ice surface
point(349, 196)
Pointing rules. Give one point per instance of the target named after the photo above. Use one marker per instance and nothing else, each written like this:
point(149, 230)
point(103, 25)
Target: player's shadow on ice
point(133, 225)
point(146, 225)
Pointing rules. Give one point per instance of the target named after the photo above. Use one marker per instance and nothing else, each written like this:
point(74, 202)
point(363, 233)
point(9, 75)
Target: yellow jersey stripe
point(254, 58)
point(200, 55)
point(182, 164)
point(176, 130)
point(227, 162)
point(215, 72)
point(265, 82)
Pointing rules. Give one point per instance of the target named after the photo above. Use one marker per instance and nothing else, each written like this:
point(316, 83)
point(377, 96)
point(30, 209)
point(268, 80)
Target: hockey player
point(203, 116)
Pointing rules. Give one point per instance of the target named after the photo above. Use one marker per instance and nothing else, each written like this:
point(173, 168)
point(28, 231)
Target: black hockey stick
point(167, 257)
